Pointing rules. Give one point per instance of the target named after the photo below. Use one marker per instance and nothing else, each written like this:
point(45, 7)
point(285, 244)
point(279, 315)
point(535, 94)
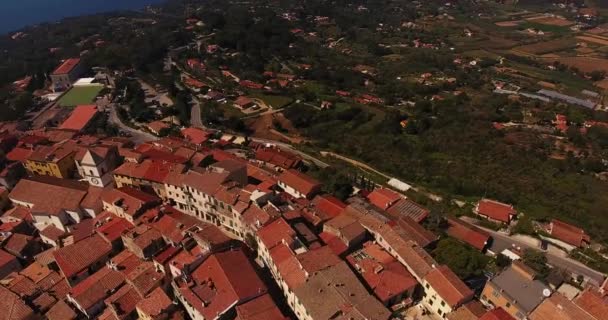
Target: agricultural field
point(594, 39)
point(276, 102)
point(545, 47)
point(551, 21)
point(80, 95)
point(585, 64)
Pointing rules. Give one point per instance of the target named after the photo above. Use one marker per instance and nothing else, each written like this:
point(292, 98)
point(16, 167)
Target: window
point(428, 286)
point(496, 293)
point(442, 304)
point(508, 305)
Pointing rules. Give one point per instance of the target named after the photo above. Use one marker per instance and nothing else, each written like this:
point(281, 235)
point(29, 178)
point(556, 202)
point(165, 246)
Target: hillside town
point(207, 225)
point(280, 169)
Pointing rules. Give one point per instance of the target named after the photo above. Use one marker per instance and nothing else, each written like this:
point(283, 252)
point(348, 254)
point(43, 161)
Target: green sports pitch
point(80, 95)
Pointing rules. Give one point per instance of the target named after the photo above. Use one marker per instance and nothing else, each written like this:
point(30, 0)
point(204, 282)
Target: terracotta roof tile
point(155, 304)
point(448, 286)
point(299, 181)
point(467, 233)
point(568, 233)
point(66, 66)
point(260, 308)
point(61, 311)
point(13, 307)
point(74, 258)
point(80, 118)
point(495, 210)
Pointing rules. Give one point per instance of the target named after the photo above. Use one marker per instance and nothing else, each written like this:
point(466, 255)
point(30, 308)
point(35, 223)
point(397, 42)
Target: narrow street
point(502, 241)
point(195, 114)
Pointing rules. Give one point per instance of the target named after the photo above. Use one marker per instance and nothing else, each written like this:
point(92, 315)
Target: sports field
point(80, 95)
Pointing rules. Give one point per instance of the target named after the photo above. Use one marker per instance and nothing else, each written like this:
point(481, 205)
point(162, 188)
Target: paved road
point(501, 240)
point(195, 114)
point(137, 136)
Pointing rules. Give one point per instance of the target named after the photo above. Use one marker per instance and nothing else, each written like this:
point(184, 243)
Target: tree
point(537, 261)
point(463, 260)
point(502, 261)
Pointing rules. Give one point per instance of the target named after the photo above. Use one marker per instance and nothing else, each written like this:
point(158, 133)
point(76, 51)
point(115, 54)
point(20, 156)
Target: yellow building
point(56, 161)
point(515, 290)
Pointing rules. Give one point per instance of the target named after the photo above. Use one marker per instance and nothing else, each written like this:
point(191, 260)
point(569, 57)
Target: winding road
point(137, 136)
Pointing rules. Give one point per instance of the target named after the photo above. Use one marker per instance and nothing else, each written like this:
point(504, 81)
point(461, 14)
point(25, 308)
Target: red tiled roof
point(61, 311)
point(332, 241)
point(410, 229)
point(13, 307)
point(383, 198)
point(74, 258)
point(497, 314)
point(80, 118)
point(495, 210)
point(124, 300)
point(592, 302)
point(467, 233)
point(288, 266)
point(329, 205)
point(276, 232)
point(151, 170)
point(223, 280)
point(568, 233)
point(155, 303)
point(278, 157)
point(19, 154)
point(66, 66)
point(448, 286)
point(195, 135)
point(408, 208)
point(260, 308)
point(158, 126)
point(299, 181)
point(6, 258)
point(130, 199)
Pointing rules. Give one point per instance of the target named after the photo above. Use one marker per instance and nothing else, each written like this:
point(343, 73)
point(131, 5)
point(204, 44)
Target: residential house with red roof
point(222, 282)
point(243, 103)
point(495, 211)
point(468, 234)
point(67, 73)
point(569, 234)
point(196, 136)
point(501, 314)
point(299, 185)
point(387, 277)
point(396, 205)
point(158, 127)
point(593, 302)
point(155, 306)
point(278, 158)
point(558, 307)
point(127, 202)
point(8, 264)
point(260, 308)
point(77, 261)
point(444, 291)
point(81, 118)
point(148, 175)
point(51, 201)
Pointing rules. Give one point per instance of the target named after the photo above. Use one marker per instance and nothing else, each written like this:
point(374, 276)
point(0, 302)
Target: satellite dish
point(547, 293)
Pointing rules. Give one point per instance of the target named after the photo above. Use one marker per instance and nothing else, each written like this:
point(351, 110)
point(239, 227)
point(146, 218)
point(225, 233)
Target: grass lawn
point(277, 102)
point(80, 95)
